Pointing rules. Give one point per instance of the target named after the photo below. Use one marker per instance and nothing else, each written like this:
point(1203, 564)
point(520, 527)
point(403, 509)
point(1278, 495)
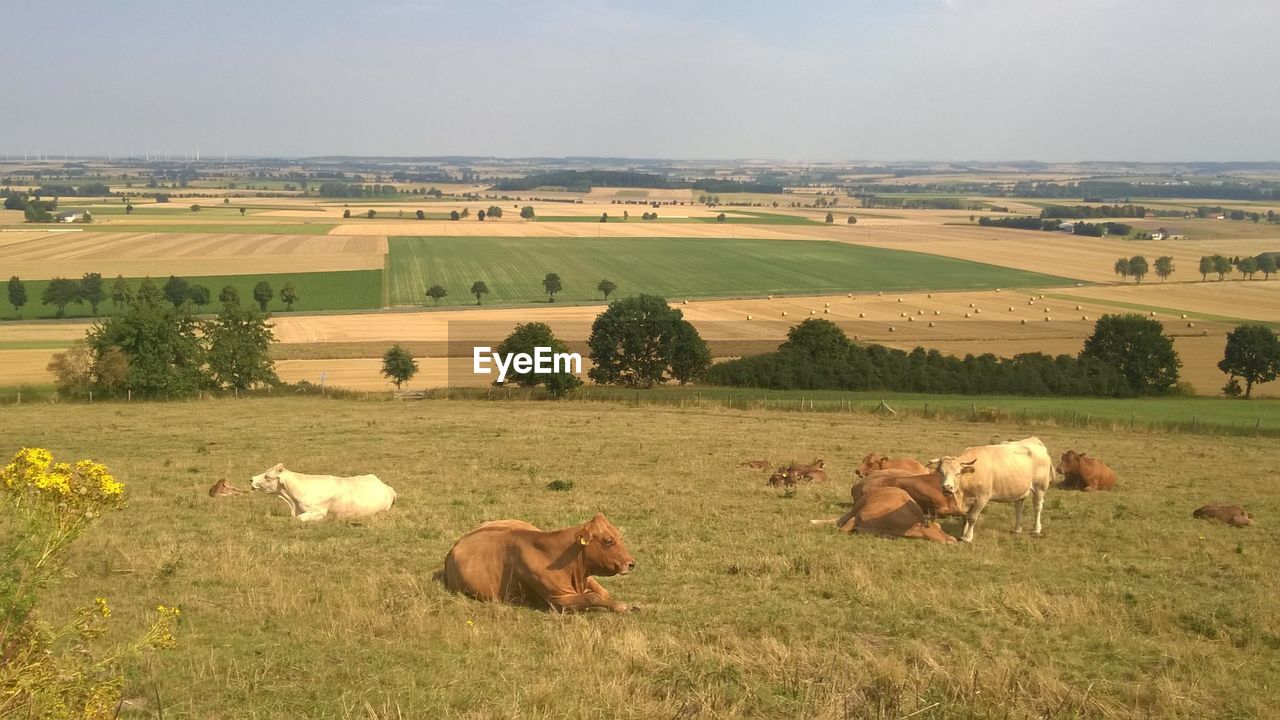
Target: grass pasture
point(514, 268)
point(1126, 608)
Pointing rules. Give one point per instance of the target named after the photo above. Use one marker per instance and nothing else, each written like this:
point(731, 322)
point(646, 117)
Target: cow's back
point(480, 564)
point(1097, 474)
point(361, 496)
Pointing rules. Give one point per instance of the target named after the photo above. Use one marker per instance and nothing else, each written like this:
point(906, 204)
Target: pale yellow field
point(42, 255)
point(1249, 299)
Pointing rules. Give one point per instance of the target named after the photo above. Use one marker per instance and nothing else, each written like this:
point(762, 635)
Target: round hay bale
point(1031, 302)
point(919, 312)
point(972, 305)
point(997, 289)
point(1046, 310)
point(930, 295)
point(826, 304)
point(902, 314)
point(937, 312)
point(857, 337)
point(930, 324)
point(911, 319)
point(826, 311)
point(1084, 317)
point(1046, 318)
point(1023, 321)
point(748, 317)
point(1078, 307)
point(1184, 316)
point(1191, 324)
point(686, 302)
point(784, 313)
point(966, 314)
point(813, 312)
point(862, 315)
point(1042, 297)
point(1010, 308)
point(768, 297)
point(892, 329)
point(977, 310)
point(899, 299)
point(1153, 313)
point(881, 294)
point(850, 296)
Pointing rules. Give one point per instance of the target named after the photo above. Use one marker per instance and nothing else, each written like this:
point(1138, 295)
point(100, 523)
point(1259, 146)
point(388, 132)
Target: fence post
point(90, 397)
point(1257, 425)
point(19, 398)
point(129, 396)
point(973, 411)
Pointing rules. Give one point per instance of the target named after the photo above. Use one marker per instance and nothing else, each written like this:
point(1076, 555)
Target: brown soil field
point(42, 255)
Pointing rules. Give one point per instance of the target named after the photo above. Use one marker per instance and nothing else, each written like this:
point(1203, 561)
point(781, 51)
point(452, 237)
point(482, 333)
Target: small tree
point(241, 212)
point(346, 213)
point(854, 221)
point(128, 209)
point(480, 216)
point(720, 218)
point(161, 343)
point(371, 213)
point(200, 295)
point(1247, 267)
point(1121, 268)
point(478, 288)
point(92, 292)
point(494, 212)
point(398, 365)
point(421, 215)
point(1206, 267)
point(262, 294)
point(1164, 267)
point(606, 287)
point(17, 294)
point(1138, 268)
point(640, 341)
point(1222, 266)
point(1253, 353)
point(289, 294)
point(526, 212)
point(61, 292)
point(524, 339)
point(177, 290)
point(121, 294)
point(229, 295)
point(604, 217)
point(453, 215)
point(1267, 265)
point(830, 218)
point(436, 293)
point(551, 283)
point(195, 208)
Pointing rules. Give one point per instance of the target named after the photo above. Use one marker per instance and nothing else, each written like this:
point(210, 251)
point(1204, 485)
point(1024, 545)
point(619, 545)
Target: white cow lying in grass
point(314, 497)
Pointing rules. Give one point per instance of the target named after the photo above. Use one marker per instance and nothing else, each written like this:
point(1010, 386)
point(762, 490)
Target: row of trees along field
point(91, 289)
point(159, 349)
point(1031, 222)
point(1137, 267)
point(551, 284)
point(1126, 356)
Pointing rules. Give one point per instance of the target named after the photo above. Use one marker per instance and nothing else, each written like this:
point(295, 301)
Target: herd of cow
point(513, 561)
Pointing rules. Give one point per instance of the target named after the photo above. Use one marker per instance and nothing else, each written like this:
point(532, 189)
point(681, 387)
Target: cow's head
point(818, 463)
point(871, 463)
point(269, 480)
point(1070, 462)
point(951, 468)
point(602, 548)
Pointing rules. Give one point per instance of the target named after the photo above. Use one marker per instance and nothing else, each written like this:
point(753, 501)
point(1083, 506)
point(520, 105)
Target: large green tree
point(1164, 267)
point(640, 341)
point(121, 293)
point(606, 287)
point(1252, 353)
point(1138, 348)
point(1267, 265)
point(177, 290)
point(1221, 265)
point(289, 294)
point(239, 340)
point(262, 294)
point(1121, 268)
point(160, 342)
point(1206, 267)
point(437, 293)
point(527, 338)
point(92, 291)
point(1138, 268)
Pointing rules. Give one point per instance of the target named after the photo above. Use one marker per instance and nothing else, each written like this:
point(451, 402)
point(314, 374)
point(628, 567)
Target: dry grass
point(1127, 608)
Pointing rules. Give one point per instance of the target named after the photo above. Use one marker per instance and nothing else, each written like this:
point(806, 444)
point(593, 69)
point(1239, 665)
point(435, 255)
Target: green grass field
point(1126, 608)
point(337, 290)
point(514, 268)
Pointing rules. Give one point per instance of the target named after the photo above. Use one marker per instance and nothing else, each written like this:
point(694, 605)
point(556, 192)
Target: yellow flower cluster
point(162, 634)
point(103, 608)
point(87, 483)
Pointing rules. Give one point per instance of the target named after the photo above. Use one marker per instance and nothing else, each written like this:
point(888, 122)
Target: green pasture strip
point(677, 268)
point(337, 290)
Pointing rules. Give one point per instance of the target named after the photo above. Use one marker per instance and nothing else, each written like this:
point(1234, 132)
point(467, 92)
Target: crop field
point(1125, 608)
point(43, 255)
point(686, 267)
point(197, 225)
point(338, 290)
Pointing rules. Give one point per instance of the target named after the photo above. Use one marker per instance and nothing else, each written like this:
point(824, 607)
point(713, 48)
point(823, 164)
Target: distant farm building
point(69, 217)
point(1167, 234)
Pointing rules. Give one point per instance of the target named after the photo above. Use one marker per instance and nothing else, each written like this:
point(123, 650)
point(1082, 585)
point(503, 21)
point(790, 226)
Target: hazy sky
point(894, 80)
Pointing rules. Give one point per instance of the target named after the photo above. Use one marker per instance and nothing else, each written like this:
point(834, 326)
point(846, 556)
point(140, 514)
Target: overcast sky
point(1054, 80)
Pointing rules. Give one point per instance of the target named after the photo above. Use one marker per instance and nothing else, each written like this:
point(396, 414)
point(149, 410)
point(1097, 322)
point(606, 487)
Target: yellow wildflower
point(103, 608)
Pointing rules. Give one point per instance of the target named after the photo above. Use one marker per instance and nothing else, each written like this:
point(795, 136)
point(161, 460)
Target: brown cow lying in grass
point(925, 490)
point(874, 462)
point(792, 474)
point(1084, 473)
point(222, 488)
point(514, 562)
point(890, 512)
point(1233, 515)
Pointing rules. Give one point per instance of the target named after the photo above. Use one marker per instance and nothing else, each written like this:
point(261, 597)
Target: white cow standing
point(315, 497)
point(1008, 472)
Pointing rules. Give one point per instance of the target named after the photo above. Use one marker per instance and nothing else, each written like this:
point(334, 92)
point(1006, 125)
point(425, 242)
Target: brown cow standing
point(874, 462)
point(1080, 472)
point(1233, 515)
point(890, 512)
point(925, 490)
point(515, 562)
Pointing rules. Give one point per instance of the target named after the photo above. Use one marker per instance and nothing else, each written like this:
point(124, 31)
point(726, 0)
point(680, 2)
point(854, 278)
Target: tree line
point(551, 284)
point(1030, 222)
point(91, 289)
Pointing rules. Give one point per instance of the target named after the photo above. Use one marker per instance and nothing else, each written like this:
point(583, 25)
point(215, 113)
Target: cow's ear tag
point(582, 540)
